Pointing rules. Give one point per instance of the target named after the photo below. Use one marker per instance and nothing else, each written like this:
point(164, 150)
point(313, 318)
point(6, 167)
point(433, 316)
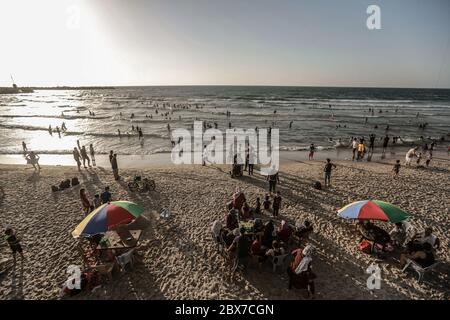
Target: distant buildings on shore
point(15, 89)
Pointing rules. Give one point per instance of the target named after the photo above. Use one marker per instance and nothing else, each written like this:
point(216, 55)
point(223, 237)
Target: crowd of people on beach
point(246, 238)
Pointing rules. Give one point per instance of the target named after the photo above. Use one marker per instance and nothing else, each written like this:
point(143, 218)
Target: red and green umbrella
point(373, 210)
point(107, 217)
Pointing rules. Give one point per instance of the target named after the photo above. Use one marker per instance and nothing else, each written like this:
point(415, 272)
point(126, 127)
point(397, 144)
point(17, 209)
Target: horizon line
point(231, 85)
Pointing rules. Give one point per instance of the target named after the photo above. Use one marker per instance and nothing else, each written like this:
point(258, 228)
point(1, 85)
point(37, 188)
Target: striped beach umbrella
point(373, 210)
point(107, 217)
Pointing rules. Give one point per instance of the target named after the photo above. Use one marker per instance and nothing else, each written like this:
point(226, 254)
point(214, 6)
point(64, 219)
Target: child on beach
point(97, 202)
point(396, 168)
point(327, 169)
point(276, 204)
point(419, 158)
point(354, 148)
point(84, 201)
point(429, 157)
point(267, 202)
point(106, 196)
point(14, 242)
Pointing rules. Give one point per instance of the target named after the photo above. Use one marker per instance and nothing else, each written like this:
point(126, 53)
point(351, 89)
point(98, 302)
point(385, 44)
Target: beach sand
point(180, 260)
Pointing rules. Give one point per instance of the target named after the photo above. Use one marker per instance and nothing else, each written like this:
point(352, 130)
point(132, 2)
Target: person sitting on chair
point(304, 230)
point(231, 220)
point(424, 257)
point(284, 232)
point(398, 234)
point(267, 237)
point(245, 211)
point(242, 246)
point(421, 238)
point(276, 250)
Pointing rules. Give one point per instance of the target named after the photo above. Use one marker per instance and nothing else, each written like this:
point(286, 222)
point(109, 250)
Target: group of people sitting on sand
point(248, 238)
point(419, 247)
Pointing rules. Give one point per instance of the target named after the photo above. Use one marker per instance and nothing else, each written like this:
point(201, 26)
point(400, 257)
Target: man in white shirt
point(216, 227)
point(409, 155)
point(425, 237)
point(354, 147)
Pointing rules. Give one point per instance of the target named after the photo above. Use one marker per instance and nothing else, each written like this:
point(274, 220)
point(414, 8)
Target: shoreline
point(158, 159)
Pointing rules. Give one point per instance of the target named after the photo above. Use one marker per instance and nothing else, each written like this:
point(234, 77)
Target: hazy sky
point(259, 42)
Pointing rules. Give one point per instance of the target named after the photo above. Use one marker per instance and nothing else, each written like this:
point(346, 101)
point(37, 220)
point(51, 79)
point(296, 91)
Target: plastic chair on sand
point(279, 261)
point(419, 269)
point(126, 259)
point(105, 270)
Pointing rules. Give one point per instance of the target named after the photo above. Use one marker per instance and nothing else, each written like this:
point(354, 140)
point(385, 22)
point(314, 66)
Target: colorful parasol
point(107, 217)
point(373, 210)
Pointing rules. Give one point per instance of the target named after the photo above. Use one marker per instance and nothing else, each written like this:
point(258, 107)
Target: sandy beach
point(179, 258)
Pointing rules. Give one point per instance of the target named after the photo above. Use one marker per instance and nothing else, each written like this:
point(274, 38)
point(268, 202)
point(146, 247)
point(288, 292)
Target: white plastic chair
point(279, 261)
point(419, 269)
point(124, 259)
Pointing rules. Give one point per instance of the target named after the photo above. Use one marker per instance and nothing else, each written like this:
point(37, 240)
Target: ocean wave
point(79, 133)
point(68, 117)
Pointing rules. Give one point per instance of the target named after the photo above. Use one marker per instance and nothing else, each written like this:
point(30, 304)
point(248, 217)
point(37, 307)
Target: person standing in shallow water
point(396, 168)
point(24, 147)
point(371, 142)
point(385, 143)
point(312, 149)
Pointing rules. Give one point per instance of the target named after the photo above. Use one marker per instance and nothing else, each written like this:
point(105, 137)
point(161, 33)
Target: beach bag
point(75, 181)
point(365, 247)
point(317, 185)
